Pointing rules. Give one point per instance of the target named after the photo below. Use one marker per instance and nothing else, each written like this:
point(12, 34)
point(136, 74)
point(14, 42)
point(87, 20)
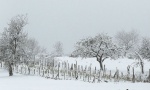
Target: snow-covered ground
point(24, 82)
point(28, 82)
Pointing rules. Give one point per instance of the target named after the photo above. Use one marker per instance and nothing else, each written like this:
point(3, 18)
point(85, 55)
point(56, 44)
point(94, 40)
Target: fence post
point(53, 68)
point(110, 75)
point(99, 76)
point(104, 72)
point(133, 77)
point(94, 76)
point(90, 72)
point(68, 71)
point(149, 76)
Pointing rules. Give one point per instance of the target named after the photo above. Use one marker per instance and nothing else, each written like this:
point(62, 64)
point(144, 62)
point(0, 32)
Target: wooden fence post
point(90, 72)
point(99, 76)
point(149, 76)
point(94, 76)
point(53, 69)
point(133, 77)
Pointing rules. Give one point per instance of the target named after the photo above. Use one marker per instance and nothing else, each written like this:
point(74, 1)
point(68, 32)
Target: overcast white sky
point(70, 20)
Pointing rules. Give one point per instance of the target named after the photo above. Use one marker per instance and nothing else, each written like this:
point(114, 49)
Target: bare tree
point(100, 46)
point(58, 49)
point(12, 40)
point(127, 40)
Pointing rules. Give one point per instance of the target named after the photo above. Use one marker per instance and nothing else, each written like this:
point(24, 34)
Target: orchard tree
point(101, 47)
point(127, 41)
point(12, 41)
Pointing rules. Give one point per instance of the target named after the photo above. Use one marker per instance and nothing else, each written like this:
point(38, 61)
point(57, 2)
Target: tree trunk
point(141, 62)
point(10, 69)
point(100, 63)
point(142, 67)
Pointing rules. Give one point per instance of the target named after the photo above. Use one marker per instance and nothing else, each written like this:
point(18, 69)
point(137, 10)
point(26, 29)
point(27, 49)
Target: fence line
point(66, 71)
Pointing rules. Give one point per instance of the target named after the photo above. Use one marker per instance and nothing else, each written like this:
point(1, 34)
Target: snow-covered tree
point(127, 41)
point(100, 46)
point(58, 49)
point(129, 44)
point(145, 48)
point(32, 49)
point(12, 41)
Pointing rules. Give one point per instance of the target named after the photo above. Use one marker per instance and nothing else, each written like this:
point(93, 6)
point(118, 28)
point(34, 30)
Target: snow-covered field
point(23, 82)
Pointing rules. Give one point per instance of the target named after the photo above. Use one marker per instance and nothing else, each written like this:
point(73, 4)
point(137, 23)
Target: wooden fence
point(66, 71)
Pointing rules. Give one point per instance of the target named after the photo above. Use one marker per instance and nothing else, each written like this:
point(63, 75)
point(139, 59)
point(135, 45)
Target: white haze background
point(70, 20)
